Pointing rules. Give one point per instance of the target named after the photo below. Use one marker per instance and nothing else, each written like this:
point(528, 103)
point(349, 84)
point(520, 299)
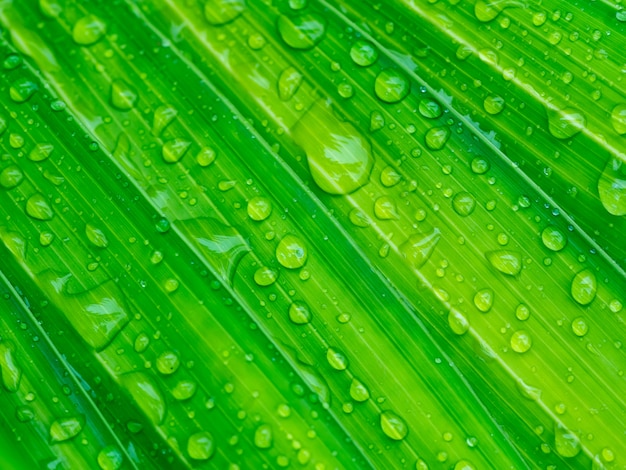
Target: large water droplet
point(339, 157)
point(612, 187)
point(219, 12)
point(393, 425)
point(505, 261)
point(88, 30)
point(146, 395)
point(22, 89)
point(259, 208)
point(288, 83)
point(110, 458)
point(463, 203)
point(494, 104)
point(391, 86)
point(565, 123)
point(483, 300)
point(163, 116)
point(96, 236)
point(336, 359)
point(175, 149)
point(40, 152)
point(38, 208)
point(358, 391)
point(480, 166)
point(418, 248)
point(201, 445)
point(458, 322)
point(584, 287)
point(64, 429)
point(363, 53)
point(299, 312)
point(618, 118)
point(168, 362)
point(11, 177)
point(291, 252)
point(566, 442)
point(521, 341)
point(222, 246)
point(206, 156)
point(436, 138)
point(263, 436)
point(123, 96)
point(302, 31)
point(265, 276)
point(11, 372)
point(184, 390)
point(553, 238)
point(385, 208)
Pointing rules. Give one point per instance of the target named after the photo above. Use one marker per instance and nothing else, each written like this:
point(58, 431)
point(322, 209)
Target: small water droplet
point(522, 312)
point(11, 177)
point(168, 362)
point(430, 109)
point(463, 203)
point(38, 208)
point(163, 116)
point(289, 81)
point(377, 121)
point(11, 372)
point(110, 458)
point(464, 465)
point(358, 391)
point(521, 341)
point(385, 208)
point(123, 96)
point(579, 326)
point(458, 322)
point(437, 137)
point(96, 236)
point(259, 208)
point(205, 156)
point(146, 395)
point(584, 287)
point(141, 342)
point(40, 152)
point(493, 104)
point(391, 86)
point(64, 429)
point(336, 359)
point(389, 177)
point(553, 238)
point(291, 252)
point(565, 123)
point(88, 30)
point(22, 89)
point(612, 187)
point(418, 248)
point(175, 149)
point(505, 261)
point(363, 53)
point(618, 114)
point(201, 446)
point(393, 425)
point(263, 436)
point(566, 442)
point(483, 300)
point(265, 276)
point(184, 390)
point(219, 12)
point(359, 218)
point(299, 313)
point(301, 32)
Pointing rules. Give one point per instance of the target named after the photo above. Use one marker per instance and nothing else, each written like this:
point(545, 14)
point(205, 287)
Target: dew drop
point(336, 359)
point(88, 30)
point(418, 248)
point(123, 96)
point(579, 326)
point(11, 177)
point(391, 86)
point(301, 32)
point(299, 313)
point(458, 322)
point(385, 208)
point(522, 312)
point(612, 187)
point(110, 458)
point(184, 390)
point(566, 442)
point(358, 391)
point(201, 446)
point(393, 425)
point(618, 116)
point(22, 90)
point(146, 395)
point(205, 156)
point(389, 177)
point(265, 276)
point(463, 203)
point(437, 137)
point(163, 116)
point(553, 238)
point(505, 261)
point(259, 208)
point(175, 149)
point(479, 166)
point(38, 208)
point(493, 104)
point(291, 252)
point(464, 465)
point(289, 81)
point(219, 12)
point(263, 436)
point(64, 429)
point(584, 287)
point(141, 342)
point(521, 341)
point(359, 218)
point(483, 300)
point(377, 121)
point(363, 53)
point(565, 123)
point(429, 109)
point(167, 363)
point(40, 152)
point(11, 372)
point(96, 236)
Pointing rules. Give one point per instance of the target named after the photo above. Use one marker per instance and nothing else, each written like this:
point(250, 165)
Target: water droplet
point(265, 276)
point(226, 185)
point(493, 104)
point(263, 436)
point(391, 86)
point(437, 137)
point(24, 414)
point(620, 15)
point(579, 326)
point(393, 425)
point(200, 446)
point(205, 156)
point(339, 157)
point(389, 177)
point(38, 208)
point(618, 114)
point(385, 208)
point(565, 123)
point(377, 121)
point(110, 458)
point(358, 391)
point(168, 362)
point(141, 342)
point(336, 359)
point(484, 300)
point(11, 177)
point(219, 12)
point(175, 149)
point(259, 208)
point(88, 30)
point(566, 442)
point(553, 238)
point(527, 391)
point(184, 390)
point(301, 32)
point(298, 4)
point(464, 465)
point(12, 61)
point(123, 96)
point(612, 187)
point(421, 465)
point(163, 116)
point(96, 236)
point(11, 372)
point(291, 252)
point(418, 248)
point(522, 312)
point(22, 89)
point(64, 429)
point(463, 203)
point(146, 395)
point(345, 90)
point(584, 287)
point(505, 261)
point(256, 41)
point(363, 53)
point(521, 341)
point(299, 313)
point(458, 322)
point(487, 11)
point(40, 152)
point(288, 83)
point(430, 109)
